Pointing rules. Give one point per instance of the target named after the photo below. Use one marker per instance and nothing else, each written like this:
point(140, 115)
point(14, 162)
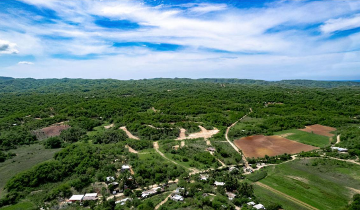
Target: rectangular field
point(258, 146)
point(321, 183)
point(305, 137)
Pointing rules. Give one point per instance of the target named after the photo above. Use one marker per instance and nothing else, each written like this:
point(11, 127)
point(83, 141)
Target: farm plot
point(51, 131)
point(319, 129)
point(305, 137)
point(258, 146)
point(320, 182)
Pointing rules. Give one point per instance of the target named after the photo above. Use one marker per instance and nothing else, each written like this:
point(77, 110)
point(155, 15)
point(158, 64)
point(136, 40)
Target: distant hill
point(8, 84)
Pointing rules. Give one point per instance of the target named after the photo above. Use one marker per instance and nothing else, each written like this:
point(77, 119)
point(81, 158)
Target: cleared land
point(305, 137)
point(320, 130)
point(26, 157)
point(109, 126)
point(202, 134)
point(320, 182)
point(129, 134)
point(51, 131)
point(259, 146)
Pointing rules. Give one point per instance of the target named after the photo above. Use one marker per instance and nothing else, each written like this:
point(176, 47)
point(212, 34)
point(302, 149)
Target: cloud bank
point(133, 39)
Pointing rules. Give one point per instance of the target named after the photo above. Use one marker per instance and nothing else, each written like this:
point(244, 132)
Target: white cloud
point(7, 47)
point(205, 8)
point(26, 63)
point(341, 24)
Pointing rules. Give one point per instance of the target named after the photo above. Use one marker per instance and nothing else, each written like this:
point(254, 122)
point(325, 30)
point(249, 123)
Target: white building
point(110, 179)
point(230, 195)
point(145, 194)
point(125, 167)
point(219, 183)
point(204, 177)
point(123, 201)
point(252, 203)
point(339, 149)
point(90, 197)
point(75, 198)
point(177, 198)
point(259, 206)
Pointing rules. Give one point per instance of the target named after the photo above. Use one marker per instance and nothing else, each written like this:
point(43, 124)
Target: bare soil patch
point(128, 133)
point(259, 146)
point(131, 149)
point(202, 134)
point(319, 129)
point(109, 126)
point(286, 135)
point(299, 179)
point(51, 131)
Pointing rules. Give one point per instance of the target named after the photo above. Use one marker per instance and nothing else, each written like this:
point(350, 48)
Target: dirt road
point(164, 201)
point(128, 133)
point(232, 144)
point(338, 139)
point(305, 205)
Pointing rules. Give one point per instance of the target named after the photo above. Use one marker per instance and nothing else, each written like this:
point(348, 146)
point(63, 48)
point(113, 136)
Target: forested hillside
point(152, 110)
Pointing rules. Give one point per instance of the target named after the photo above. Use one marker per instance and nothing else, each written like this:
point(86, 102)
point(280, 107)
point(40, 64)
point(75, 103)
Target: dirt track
point(232, 144)
point(128, 133)
point(109, 126)
point(305, 205)
point(131, 149)
point(164, 201)
point(259, 146)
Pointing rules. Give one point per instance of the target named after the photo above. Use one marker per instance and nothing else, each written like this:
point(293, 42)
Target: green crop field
point(305, 137)
point(322, 183)
point(26, 157)
point(266, 197)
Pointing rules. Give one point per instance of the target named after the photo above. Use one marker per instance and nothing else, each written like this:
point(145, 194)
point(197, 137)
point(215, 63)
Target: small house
point(259, 206)
point(339, 149)
point(125, 168)
point(147, 193)
point(179, 190)
point(177, 198)
point(90, 197)
point(204, 177)
point(230, 195)
point(76, 198)
point(110, 179)
point(252, 203)
point(123, 201)
point(219, 183)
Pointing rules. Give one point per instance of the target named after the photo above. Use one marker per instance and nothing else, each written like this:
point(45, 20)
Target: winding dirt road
point(232, 144)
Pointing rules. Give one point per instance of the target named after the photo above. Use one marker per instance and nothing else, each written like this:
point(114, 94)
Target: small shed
point(75, 198)
point(125, 168)
point(90, 197)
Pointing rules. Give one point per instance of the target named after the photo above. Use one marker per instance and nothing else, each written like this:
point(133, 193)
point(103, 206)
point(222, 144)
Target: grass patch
point(257, 175)
point(266, 197)
point(319, 182)
point(305, 137)
point(97, 130)
point(26, 157)
point(20, 206)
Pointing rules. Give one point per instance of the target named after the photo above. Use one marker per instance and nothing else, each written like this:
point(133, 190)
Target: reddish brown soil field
point(54, 130)
point(259, 146)
point(319, 129)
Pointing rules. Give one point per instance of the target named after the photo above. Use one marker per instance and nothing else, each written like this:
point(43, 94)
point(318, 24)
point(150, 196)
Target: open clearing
point(128, 133)
point(202, 134)
point(320, 130)
point(51, 131)
point(259, 146)
point(109, 126)
point(305, 137)
point(26, 157)
point(320, 182)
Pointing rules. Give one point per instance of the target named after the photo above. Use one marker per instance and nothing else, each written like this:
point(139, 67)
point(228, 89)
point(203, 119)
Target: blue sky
point(135, 39)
